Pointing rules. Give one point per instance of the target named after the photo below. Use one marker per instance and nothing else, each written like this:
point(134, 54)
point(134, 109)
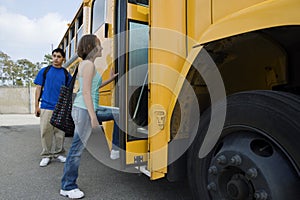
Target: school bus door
point(133, 81)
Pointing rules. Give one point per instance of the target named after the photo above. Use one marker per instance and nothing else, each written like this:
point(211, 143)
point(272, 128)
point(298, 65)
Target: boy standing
point(48, 88)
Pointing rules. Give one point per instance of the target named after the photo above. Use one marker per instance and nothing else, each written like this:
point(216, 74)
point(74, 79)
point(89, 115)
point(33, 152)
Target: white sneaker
point(61, 158)
point(114, 154)
point(44, 162)
point(72, 194)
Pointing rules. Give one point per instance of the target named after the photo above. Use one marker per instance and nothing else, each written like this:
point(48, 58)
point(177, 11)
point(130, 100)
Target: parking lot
point(23, 178)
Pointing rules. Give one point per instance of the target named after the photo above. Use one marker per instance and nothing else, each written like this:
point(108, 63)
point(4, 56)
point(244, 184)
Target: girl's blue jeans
point(82, 132)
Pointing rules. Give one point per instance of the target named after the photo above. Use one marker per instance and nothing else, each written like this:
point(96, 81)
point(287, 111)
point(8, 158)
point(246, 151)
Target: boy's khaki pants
point(52, 138)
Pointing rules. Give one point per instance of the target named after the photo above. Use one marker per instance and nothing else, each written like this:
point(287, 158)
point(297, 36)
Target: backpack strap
point(44, 79)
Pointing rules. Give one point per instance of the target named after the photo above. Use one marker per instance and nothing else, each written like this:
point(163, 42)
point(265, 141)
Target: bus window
point(72, 43)
point(138, 78)
point(79, 26)
point(98, 14)
point(66, 40)
point(140, 2)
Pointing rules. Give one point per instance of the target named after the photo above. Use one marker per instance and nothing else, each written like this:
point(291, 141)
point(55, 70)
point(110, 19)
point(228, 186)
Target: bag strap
point(71, 86)
point(67, 76)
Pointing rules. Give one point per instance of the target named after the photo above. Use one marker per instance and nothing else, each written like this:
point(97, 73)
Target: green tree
point(20, 73)
point(26, 72)
point(6, 65)
point(16, 74)
point(47, 59)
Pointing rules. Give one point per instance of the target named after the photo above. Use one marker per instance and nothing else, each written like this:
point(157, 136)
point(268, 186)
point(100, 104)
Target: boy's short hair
point(59, 50)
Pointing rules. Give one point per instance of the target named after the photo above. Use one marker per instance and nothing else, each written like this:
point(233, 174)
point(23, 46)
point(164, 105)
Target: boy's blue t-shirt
point(55, 78)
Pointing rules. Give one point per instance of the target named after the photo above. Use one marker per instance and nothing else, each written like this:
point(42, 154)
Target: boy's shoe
point(61, 158)
point(72, 194)
point(114, 154)
point(44, 162)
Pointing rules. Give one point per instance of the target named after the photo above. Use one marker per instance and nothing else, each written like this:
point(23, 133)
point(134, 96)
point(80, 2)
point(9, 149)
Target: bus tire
point(257, 155)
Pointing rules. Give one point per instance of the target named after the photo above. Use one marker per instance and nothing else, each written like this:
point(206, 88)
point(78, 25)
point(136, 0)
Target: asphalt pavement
point(21, 177)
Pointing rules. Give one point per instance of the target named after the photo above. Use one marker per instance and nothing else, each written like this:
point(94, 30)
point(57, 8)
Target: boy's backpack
point(44, 78)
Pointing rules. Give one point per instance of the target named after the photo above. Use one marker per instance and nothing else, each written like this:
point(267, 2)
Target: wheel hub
point(243, 169)
point(237, 188)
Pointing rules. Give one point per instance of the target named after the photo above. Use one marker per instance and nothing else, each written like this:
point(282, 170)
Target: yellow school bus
point(207, 89)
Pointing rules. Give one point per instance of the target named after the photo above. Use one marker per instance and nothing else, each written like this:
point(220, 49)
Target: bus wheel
point(257, 156)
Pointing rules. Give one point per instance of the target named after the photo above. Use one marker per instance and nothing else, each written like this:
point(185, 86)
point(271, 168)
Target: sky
point(29, 29)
